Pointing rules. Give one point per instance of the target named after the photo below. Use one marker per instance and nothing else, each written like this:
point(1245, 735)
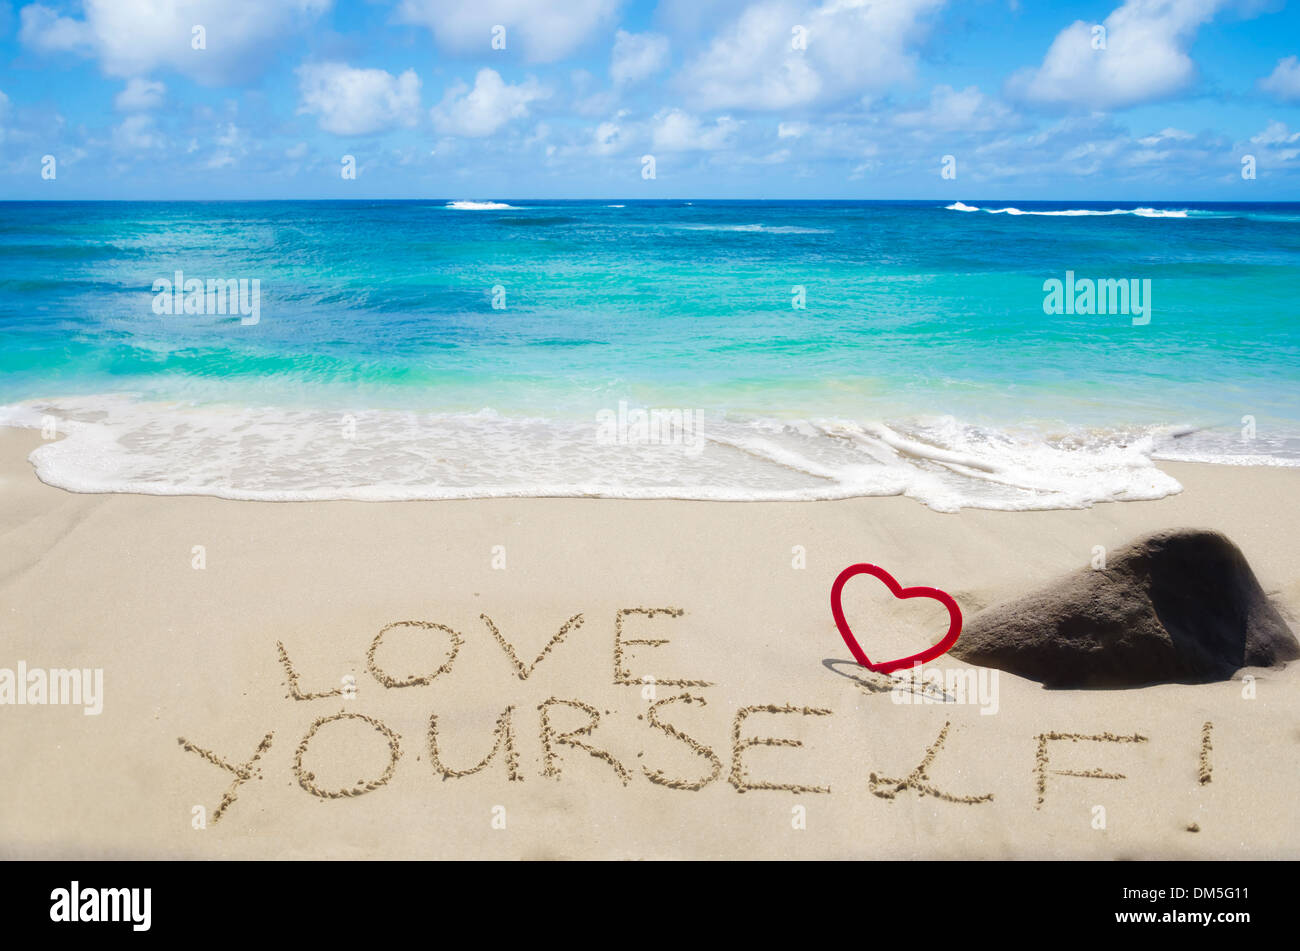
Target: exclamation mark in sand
point(1206, 768)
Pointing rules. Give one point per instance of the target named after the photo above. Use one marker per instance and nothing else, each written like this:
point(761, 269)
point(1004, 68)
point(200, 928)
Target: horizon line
point(896, 201)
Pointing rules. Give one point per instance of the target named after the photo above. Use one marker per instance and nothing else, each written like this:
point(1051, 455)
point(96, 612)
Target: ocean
point(739, 350)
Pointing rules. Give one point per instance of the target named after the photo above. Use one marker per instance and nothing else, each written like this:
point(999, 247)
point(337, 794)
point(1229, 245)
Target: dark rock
point(1179, 606)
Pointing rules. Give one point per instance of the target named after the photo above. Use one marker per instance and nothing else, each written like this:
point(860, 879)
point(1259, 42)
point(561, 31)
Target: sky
point(1156, 100)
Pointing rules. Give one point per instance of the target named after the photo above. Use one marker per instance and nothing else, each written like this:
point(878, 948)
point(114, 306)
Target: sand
point(465, 680)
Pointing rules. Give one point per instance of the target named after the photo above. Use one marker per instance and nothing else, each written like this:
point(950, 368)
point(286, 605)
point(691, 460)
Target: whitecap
point(1073, 212)
point(478, 205)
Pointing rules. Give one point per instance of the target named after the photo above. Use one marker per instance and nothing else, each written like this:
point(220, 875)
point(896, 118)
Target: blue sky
point(1144, 99)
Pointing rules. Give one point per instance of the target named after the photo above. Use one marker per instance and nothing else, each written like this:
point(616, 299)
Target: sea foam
point(478, 205)
point(1073, 212)
point(117, 443)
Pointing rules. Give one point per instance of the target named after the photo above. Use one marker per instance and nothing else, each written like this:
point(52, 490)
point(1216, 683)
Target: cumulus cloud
point(637, 56)
point(678, 131)
point(136, 37)
point(1284, 81)
point(140, 95)
point(609, 137)
point(485, 108)
point(45, 30)
point(1276, 133)
point(1144, 57)
point(958, 110)
point(137, 134)
point(350, 101)
point(845, 48)
point(1277, 148)
point(545, 30)
point(231, 146)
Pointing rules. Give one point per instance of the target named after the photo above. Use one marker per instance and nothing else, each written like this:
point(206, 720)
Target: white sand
point(107, 582)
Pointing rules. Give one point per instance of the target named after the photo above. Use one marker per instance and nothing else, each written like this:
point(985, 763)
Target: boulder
point(1179, 606)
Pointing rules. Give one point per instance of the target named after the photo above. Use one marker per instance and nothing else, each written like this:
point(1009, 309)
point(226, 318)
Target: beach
point(512, 529)
point(649, 431)
point(208, 615)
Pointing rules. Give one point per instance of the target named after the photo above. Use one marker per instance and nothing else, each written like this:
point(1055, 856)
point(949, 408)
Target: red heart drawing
point(930, 653)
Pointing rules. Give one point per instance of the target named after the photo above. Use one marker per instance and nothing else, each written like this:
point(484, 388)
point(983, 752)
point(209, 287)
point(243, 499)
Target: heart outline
point(901, 593)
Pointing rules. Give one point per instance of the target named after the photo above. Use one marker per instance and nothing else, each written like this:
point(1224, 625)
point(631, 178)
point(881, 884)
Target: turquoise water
point(922, 362)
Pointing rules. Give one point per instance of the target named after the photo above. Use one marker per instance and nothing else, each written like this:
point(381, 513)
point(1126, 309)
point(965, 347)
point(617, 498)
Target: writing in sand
point(555, 741)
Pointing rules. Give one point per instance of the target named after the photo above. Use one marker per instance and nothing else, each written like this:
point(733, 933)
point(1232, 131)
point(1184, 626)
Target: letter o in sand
point(387, 679)
point(307, 780)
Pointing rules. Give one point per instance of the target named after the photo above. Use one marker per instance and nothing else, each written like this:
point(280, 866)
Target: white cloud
point(44, 30)
point(1166, 136)
point(1278, 146)
point(1275, 133)
point(352, 101)
point(1144, 59)
point(137, 134)
point(485, 108)
point(1284, 81)
point(678, 131)
point(1096, 148)
point(953, 110)
point(546, 30)
point(608, 139)
point(637, 56)
point(140, 95)
point(791, 130)
point(232, 146)
point(853, 48)
point(135, 37)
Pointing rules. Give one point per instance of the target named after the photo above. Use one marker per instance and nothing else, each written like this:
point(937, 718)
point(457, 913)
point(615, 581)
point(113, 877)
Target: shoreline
point(189, 655)
point(118, 445)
